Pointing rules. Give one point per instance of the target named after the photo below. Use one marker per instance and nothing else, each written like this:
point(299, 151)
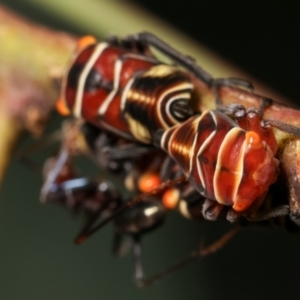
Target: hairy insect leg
point(191, 257)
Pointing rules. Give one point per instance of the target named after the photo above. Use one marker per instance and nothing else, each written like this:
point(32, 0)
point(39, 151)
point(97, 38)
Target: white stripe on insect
point(179, 87)
point(83, 76)
point(202, 148)
point(117, 72)
point(238, 171)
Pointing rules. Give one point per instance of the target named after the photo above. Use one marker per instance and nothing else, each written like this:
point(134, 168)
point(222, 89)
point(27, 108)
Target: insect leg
point(183, 60)
point(137, 255)
point(191, 257)
point(125, 151)
point(169, 169)
point(121, 244)
point(82, 237)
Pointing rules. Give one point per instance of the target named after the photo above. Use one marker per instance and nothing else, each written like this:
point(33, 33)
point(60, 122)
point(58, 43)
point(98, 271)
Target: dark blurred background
point(37, 257)
point(261, 37)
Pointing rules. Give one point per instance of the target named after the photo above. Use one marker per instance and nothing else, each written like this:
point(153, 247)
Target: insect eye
point(93, 81)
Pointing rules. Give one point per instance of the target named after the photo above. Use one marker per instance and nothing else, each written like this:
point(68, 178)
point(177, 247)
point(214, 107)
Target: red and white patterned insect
point(230, 163)
point(122, 88)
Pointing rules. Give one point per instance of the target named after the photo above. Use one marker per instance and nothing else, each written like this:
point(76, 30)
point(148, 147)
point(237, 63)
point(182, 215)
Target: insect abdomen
point(157, 99)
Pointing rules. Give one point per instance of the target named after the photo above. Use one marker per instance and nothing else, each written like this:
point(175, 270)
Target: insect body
point(124, 89)
point(227, 163)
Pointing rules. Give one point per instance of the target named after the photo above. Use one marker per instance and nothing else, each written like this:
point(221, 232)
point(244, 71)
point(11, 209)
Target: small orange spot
point(148, 182)
point(253, 140)
point(79, 240)
point(86, 41)
point(170, 198)
point(242, 204)
point(61, 107)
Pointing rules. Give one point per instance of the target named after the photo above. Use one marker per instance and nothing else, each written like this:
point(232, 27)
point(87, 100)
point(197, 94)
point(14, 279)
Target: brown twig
point(31, 58)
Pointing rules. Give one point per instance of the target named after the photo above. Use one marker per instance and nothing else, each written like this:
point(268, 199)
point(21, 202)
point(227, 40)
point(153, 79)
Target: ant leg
point(88, 227)
point(90, 222)
point(82, 237)
point(121, 245)
point(191, 257)
point(137, 255)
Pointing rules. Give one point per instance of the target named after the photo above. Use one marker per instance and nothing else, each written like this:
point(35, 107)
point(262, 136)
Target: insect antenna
point(282, 126)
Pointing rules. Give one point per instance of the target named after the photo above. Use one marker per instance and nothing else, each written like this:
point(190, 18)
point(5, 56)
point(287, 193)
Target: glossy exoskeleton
point(122, 88)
